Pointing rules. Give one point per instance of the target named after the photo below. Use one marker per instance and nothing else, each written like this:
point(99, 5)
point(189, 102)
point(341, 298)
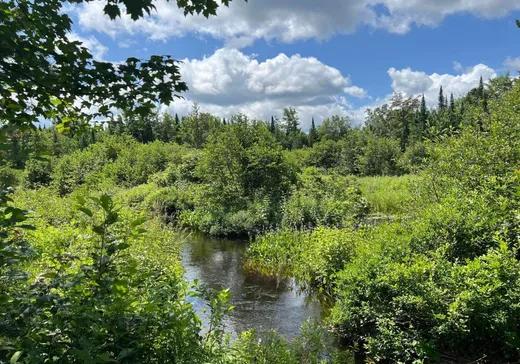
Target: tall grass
point(388, 196)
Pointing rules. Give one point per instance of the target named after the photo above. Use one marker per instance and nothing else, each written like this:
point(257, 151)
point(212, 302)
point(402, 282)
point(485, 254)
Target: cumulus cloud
point(229, 82)
point(414, 83)
point(512, 64)
point(355, 91)
point(289, 20)
point(97, 49)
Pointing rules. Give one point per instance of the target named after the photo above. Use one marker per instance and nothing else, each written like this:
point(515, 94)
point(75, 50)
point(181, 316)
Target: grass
point(388, 196)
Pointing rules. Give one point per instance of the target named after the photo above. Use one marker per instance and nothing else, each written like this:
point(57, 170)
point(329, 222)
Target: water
point(261, 303)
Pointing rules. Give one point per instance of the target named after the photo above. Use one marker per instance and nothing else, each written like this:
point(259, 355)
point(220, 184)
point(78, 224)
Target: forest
point(408, 223)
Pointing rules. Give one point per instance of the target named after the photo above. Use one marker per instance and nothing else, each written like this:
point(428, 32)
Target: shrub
point(328, 200)
point(37, 173)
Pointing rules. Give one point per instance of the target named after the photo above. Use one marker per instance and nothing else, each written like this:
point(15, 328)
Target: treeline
point(390, 142)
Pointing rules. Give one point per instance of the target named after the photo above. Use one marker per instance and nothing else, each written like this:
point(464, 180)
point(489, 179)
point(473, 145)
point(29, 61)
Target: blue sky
point(321, 57)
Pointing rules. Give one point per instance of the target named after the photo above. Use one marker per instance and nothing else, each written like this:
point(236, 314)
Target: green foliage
point(105, 285)
point(37, 173)
point(328, 200)
point(388, 196)
point(309, 347)
point(313, 257)
point(9, 177)
point(380, 157)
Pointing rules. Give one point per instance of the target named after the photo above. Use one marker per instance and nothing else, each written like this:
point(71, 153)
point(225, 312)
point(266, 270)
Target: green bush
point(380, 157)
point(10, 177)
point(323, 200)
point(313, 257)
point(424, 307)
point(38, 173)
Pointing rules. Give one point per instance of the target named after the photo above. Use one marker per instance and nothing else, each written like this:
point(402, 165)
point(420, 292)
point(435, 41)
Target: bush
point(422, 308)
point(380, 157)
point(37, 173)
point(323, 200)
point(10, 177)
point(313, 257)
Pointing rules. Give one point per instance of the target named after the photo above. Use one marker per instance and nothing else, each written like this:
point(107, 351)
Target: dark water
point(261, 303)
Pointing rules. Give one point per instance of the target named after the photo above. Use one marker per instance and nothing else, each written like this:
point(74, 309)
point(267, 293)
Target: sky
point(322, 57)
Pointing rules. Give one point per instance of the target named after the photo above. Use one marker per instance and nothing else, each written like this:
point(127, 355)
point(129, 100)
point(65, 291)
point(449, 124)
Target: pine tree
point(441, 99)
point(480, 91)
point(453, 114)
point(272, 128)
point(313, 133)
point(423, 117)
point(223, 121)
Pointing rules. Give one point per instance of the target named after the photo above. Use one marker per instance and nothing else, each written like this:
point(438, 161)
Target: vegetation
point(439, 281)
point(409, 223)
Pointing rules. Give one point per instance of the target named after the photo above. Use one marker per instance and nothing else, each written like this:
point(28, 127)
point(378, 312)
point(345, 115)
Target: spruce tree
point(423, 117)
point(453, 115)
point(441, 99)
point(313, 133)
point(480, 91)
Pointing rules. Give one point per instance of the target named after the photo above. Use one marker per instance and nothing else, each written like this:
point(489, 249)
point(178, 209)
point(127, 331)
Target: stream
point(261, 303)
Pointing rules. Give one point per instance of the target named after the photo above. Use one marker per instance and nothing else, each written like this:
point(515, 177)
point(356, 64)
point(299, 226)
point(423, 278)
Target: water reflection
point(261, 303)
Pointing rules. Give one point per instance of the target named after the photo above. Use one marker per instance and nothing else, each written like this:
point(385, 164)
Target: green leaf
point(105, 357)
point(15, 357)
point(120, 287)
point(124, 353)
point(86, 211)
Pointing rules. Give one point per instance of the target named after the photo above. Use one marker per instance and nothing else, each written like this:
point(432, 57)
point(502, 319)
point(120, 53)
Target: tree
point(291, 122)
point(167, 128)
point(452, 112)
point(422, 119)
point(291, 126)
point(480, 90)
point(334, 128)
point(313, 134)
point(272, 127)
point(407, 109)
point(441, 99)
point(45, 74)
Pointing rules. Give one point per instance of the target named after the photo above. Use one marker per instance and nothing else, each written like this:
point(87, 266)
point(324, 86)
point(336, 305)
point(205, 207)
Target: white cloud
point(413, 83)
point(289, 20)
point(512, 64)
point(458, 67)
point(97, 49)
point(356, 92)
point(228, 82)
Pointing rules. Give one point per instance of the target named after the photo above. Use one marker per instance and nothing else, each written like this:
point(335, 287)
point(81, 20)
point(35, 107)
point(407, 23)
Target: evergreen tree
point(441, 99)
point(452, 114)
point(272, 128)
point(485, 102)
point(480, 92)
point(313, 133)
point(167, 128)
point(423, 118)
point(223, 121)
